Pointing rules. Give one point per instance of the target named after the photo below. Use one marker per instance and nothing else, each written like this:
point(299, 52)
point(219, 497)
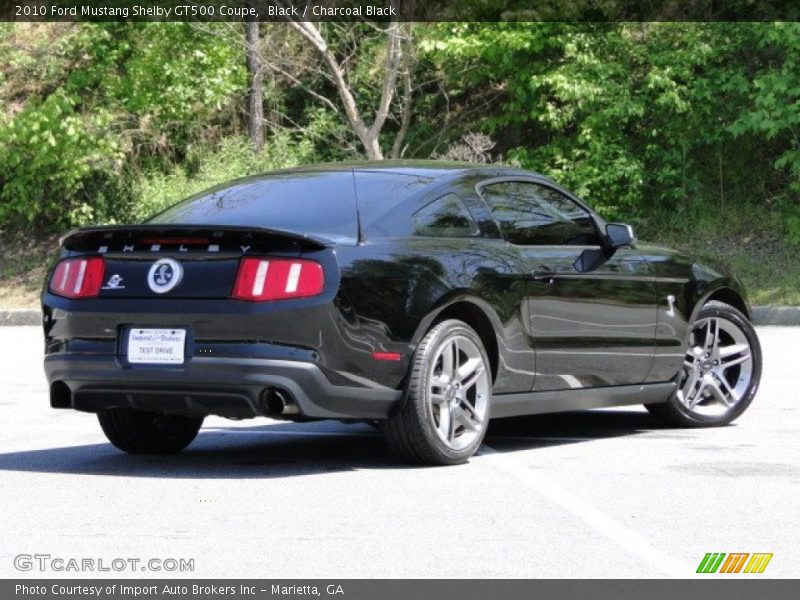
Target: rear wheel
point(142, 432)
point(721, 370)
point(444, 416)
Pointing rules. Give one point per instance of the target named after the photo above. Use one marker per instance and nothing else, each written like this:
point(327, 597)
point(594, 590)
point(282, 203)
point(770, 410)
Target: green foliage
point(640, 117)
point(167, 82)
point(772, 115)
point(661, 123)
point(231, 160)
point(110, 100)
point(57, 166)
point(322, 127)
point(689, 130)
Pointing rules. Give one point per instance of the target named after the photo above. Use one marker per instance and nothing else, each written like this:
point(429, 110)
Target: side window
point(445, 217)
point(530, 214)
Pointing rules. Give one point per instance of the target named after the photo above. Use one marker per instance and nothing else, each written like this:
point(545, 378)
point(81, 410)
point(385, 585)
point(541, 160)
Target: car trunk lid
point(143, 261)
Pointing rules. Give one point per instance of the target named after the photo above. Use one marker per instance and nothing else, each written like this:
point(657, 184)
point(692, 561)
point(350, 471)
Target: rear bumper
point(229, 387)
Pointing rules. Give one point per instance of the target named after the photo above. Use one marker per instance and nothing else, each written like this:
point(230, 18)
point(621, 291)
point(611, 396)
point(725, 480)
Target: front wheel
point(445, 412)
point(721, 370)
point(143, 432)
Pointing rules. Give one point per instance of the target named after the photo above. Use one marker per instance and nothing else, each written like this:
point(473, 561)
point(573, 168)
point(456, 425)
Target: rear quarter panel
point(396, 289)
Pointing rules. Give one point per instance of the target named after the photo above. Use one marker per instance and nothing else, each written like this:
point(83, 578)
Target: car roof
point(434, 169)
point(436, 172)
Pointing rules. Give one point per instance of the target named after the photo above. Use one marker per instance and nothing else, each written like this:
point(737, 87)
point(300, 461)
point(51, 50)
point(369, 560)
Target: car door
point(592, 318)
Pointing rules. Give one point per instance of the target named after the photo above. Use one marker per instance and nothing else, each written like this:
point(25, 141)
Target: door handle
point(546, 274)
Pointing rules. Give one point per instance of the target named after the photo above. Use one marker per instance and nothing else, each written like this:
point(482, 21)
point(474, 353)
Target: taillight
point(261, 279)
point(78, 277)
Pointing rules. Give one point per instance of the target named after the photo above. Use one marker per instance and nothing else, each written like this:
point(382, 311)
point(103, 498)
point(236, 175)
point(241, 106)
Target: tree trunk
point(369, 135)
point(408, 91)
point(255, 102)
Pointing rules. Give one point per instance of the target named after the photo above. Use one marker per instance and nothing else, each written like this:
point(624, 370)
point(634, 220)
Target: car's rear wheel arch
point(471, 314)
point(447, 402)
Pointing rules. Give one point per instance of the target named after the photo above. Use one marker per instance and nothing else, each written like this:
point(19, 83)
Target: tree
point(255, 72)
point(368, 134)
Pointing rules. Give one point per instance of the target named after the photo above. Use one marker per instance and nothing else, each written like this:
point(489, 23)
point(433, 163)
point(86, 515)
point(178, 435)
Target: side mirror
point(620, 234)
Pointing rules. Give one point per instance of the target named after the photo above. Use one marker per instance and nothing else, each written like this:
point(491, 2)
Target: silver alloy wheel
point(458, 392)
point(718, 367)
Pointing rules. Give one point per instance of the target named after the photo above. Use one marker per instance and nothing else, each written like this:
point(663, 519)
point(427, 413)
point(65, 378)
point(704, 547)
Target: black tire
point(142, 432)
point(675, 413)
point(410, 432)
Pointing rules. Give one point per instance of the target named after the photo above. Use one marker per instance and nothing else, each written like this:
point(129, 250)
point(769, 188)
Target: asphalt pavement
point(608, 493)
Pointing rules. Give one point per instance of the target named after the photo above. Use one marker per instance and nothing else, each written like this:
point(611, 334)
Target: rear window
point(315, 203)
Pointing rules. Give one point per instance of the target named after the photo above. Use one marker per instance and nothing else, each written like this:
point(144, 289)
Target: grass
point(24, 260)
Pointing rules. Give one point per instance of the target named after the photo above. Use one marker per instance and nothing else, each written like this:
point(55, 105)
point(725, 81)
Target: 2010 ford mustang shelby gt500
point(428, 296)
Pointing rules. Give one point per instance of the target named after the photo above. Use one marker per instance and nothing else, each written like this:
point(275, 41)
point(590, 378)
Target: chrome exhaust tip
point(276, 402)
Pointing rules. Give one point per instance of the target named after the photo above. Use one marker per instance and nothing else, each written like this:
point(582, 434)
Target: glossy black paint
point(553, 318)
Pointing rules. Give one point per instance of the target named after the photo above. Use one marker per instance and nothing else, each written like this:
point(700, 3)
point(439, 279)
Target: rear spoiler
point(91, 238)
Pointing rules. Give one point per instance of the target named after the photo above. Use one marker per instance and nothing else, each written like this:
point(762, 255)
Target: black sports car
point(426, 297)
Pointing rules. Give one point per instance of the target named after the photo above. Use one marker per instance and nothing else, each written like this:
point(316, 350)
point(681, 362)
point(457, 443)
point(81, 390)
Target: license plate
point(156, 346)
